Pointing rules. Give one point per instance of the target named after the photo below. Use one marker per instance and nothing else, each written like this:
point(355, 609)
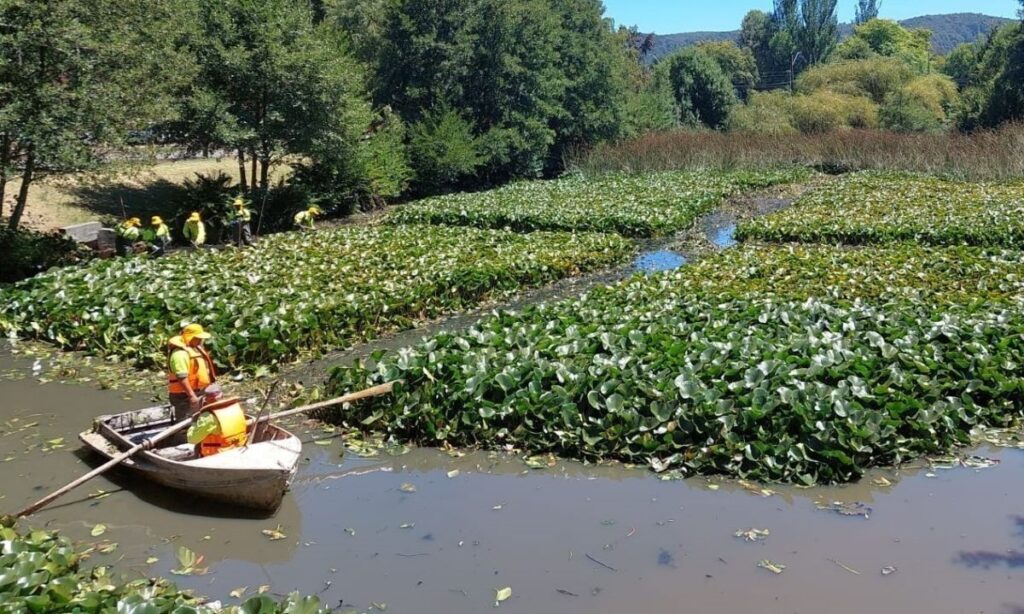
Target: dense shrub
point(703, 93)
point(764, 113)
point(904, 112)
point(23, 253)
point(875, 78)
point(443, 150)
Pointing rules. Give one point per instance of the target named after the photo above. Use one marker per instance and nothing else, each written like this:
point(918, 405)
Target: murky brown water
point(956, 539)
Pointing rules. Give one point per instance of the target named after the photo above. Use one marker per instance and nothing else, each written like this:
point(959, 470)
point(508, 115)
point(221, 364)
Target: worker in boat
point(305, 220)
point(195, 230)
point(158, 236)
point(239, 223)
point(218, 427)
point(190, 372)
point(128, 232)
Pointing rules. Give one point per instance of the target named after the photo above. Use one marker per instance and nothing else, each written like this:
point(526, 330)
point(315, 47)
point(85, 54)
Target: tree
point(738, 64)
point(703, 93)
point(867, 10)
point(755, 36)
point(808, 29)
point(595, 68)
point(887, 37)
point(444, 150)
point(272, 83)
point(76, 77)
point(819, 29)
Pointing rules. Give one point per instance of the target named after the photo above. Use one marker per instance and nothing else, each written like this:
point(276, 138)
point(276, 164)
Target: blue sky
point(671, 16)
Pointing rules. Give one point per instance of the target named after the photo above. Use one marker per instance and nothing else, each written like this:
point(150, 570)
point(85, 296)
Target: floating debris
point(775, 568)
point(888, 570)
point(849, 569)
point(843, 508)
point(753, 535)
point(274, 534)
point(502, 594)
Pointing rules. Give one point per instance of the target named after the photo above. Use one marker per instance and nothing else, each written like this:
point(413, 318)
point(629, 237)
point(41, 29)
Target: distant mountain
point(948, 32)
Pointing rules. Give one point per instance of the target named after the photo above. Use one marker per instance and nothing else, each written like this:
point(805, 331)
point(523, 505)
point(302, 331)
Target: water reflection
point(724, 237)
point(983, 559)
point(656, 262)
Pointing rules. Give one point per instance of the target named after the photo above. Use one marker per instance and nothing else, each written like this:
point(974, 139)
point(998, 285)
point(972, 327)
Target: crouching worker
point(190, 373)
point(218, 428)
point(158, 236)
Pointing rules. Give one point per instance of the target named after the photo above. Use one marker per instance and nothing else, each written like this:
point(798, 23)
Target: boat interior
point(139, 426)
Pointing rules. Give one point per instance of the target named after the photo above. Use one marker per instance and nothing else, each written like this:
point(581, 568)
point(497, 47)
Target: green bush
point(764, 113)
point(875, 78)
point(443, 150)
point(816, 114)
point(25, 253)
point(905, 112)
point(703, 93)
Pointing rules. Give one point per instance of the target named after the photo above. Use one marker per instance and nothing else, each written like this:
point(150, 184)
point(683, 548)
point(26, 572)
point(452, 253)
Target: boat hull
point(254, 477)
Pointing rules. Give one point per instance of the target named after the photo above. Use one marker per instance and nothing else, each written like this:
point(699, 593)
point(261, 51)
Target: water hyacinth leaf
point(332, 288)
point(775, 568)
point(886, 207)
point(274, 534)
point(658, 203)
point(502, 594)
point(804, 364)
point(753, 535)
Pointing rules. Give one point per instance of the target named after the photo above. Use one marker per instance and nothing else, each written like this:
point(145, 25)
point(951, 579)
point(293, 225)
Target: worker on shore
point(239, 223)
point(191, 376)
point(128, 233)
point(305, 220)
point(195, 230)
point(158, 236)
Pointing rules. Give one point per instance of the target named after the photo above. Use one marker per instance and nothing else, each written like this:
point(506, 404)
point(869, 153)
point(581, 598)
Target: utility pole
point(792, 71)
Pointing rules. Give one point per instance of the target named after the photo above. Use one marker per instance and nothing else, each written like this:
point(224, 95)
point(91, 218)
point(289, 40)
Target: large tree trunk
point(26, 180)
point(241, 169)
point(5, 159)
point(252, 183)
point(265, 169)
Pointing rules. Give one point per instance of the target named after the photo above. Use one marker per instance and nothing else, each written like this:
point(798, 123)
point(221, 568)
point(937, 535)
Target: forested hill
point(948, 32)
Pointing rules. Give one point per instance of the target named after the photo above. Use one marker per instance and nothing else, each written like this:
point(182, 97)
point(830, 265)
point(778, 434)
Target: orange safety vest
point(200, 368)
point(231, 418)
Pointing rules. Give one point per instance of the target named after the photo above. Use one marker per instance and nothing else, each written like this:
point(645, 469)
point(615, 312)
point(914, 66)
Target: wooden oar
point(376, 391)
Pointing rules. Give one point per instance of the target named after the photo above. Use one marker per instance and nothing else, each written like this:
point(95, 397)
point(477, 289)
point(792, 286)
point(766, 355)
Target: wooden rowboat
point(255, 476)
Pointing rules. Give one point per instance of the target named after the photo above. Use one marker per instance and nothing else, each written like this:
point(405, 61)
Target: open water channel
point(428, 532)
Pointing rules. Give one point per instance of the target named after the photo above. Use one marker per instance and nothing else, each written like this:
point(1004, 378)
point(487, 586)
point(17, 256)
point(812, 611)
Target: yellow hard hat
point(135, 222)
point(194, 331)
point(194, 217)
point(157, 220)
point(239, 202)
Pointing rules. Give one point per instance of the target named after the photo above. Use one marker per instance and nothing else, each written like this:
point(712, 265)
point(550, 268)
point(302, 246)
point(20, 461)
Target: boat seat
point(181, 452)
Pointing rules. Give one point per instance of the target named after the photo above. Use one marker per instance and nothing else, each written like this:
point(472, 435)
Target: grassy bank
point(145, 190)
point(996, 154)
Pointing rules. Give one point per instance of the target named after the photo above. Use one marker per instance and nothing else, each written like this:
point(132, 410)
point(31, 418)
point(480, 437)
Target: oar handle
point(145, 445)
point(376, 391)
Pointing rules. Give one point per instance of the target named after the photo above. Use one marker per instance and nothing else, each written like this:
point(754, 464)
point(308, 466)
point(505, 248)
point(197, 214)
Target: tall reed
point(996, 154)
